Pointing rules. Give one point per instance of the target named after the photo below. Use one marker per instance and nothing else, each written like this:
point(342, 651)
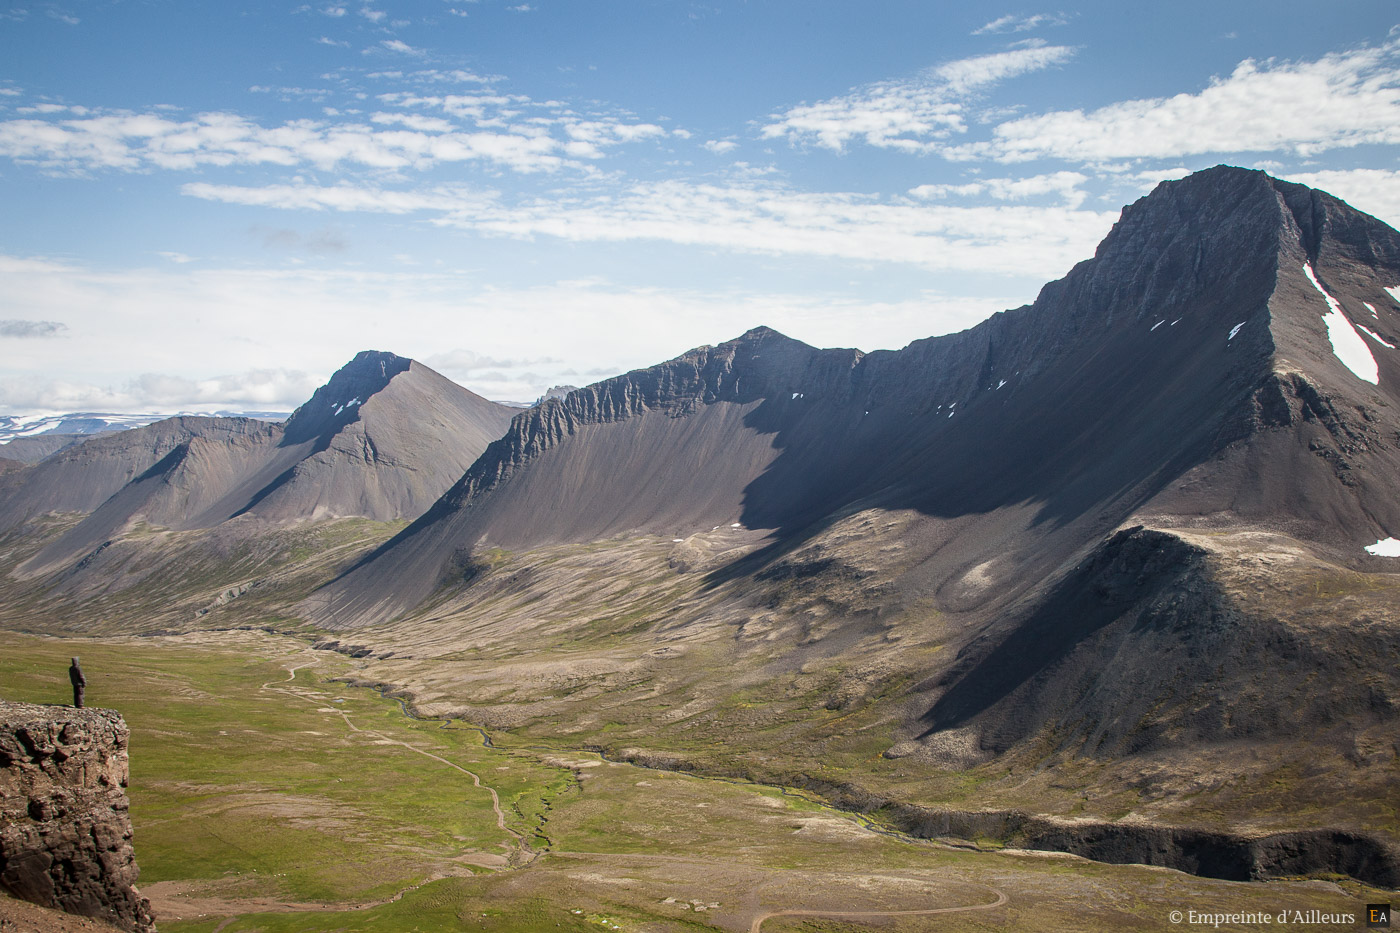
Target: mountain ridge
point(1199, 256)
point(324, 462)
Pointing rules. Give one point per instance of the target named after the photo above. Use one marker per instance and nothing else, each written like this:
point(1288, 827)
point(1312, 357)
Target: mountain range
point(1130, 544)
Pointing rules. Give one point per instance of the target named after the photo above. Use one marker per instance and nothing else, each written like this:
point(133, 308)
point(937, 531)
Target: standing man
point(75, 674)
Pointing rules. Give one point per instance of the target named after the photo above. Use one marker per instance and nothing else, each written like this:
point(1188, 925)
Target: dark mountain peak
point(1206, 251)
point(338, 401)
point(1240, 203)
point(761, 334)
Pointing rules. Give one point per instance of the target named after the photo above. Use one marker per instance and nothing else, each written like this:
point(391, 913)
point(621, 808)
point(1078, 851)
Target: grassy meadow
point(269, 796)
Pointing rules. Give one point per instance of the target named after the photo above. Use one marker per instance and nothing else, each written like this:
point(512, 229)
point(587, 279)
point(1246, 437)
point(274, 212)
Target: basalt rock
point(65, 833)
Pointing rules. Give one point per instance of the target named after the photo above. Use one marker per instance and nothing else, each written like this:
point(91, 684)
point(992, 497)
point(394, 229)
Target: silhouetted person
point(75, 674)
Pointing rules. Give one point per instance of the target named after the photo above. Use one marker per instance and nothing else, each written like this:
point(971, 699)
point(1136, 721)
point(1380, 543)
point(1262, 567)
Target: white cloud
point(1341, 100)
point(914, 116)
point(282, 332)
point(753, 218)
point(374, 16)
point(398, 45)
point(135, 141)
point(251, 390)
point(342, 198)
point(1375, 191)
point(587, 137)
point(415, 121)
point(437, 76)
point(971, 74)
point(721, 146)
point(292, 93)
point(334, 11)
point(327, 40)
point(464, 363)
point(31, 329)
point(1066, 185)
point(508, 130)
point(770, 219)
point(1011, 23)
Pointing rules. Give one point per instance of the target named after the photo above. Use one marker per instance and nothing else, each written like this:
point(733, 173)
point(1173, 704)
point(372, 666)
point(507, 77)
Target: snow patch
point(1346, 342)
point(350, 404)
point(1176, 322)
point(1394, 293)
point(1387, 548)
point(797, 395)
point(1376, 337)
point(1000, 384)
point(1372, 308)
point(1157, 325)
point(737, 525)
point(1233, 331)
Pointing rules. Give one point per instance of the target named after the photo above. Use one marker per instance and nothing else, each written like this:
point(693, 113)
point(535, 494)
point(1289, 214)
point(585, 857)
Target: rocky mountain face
point(65, 834)
point(381, 440)
point(1194, 331)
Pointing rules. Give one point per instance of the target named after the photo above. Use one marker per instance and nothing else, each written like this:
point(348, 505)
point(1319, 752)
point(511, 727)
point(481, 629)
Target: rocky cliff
point(65, 835)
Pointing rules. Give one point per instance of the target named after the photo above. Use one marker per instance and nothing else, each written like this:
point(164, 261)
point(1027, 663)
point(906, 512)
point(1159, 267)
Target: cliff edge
point(65, 833)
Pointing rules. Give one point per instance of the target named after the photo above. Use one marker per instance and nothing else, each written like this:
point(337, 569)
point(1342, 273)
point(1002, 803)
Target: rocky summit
point(1125, 553)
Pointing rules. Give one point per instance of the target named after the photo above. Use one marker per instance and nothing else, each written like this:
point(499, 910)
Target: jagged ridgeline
point(1142, 521)
point(1186, 370)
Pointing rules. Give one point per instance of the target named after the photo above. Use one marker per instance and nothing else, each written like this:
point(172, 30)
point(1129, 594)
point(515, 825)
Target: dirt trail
point(521, 847)
point(859, 915)
point(758, 920)
point(171, 901)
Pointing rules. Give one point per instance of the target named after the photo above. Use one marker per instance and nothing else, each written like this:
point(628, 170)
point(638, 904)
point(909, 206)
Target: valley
point(269, 794)
point(1065, 621)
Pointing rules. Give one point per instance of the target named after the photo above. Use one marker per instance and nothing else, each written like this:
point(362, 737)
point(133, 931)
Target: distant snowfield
point(32, 425)
point(1387, 548)
point(1347, 344)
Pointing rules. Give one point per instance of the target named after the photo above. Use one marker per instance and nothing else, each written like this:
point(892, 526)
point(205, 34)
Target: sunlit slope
point(381, 440)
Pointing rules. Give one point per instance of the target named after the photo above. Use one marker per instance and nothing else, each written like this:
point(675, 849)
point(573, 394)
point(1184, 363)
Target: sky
point(215, 205)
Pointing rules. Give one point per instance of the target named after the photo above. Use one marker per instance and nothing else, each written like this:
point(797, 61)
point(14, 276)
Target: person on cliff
point(75, 674)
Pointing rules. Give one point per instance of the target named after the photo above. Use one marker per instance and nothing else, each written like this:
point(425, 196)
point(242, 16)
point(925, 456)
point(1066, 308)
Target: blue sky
point(212, 206)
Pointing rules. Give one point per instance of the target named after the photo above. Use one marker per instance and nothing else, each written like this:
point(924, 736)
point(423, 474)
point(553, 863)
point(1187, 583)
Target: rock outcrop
point(65, 834)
